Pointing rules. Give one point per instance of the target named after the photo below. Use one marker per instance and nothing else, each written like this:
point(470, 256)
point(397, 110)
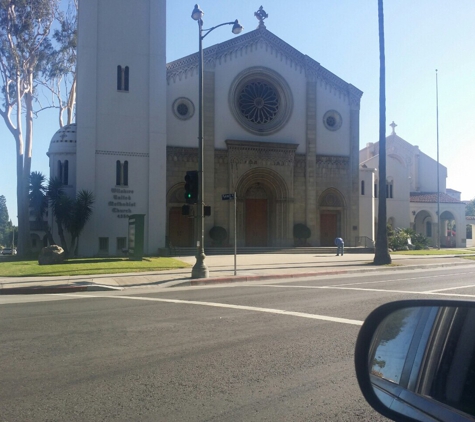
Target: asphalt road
point(275, 351)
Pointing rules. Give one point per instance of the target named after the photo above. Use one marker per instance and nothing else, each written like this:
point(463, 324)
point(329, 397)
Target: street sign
point(227, 196)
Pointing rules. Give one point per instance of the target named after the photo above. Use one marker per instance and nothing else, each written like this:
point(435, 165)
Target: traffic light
point(191, 187)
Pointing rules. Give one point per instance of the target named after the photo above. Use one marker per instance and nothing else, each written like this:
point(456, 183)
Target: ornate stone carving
point(122, 153)
point(332, 162)
point(261, 153)
point(181, 154)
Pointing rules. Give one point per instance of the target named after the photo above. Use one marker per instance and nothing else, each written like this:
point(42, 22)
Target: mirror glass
point(426, 353)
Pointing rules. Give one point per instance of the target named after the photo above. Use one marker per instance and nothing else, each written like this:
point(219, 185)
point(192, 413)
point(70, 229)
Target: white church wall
point(366, 203)
point(332, 142)
point(428, 174)
point(183, 133)
point(226, 125)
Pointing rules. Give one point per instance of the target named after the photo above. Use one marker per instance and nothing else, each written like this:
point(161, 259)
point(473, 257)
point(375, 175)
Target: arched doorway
point(448, 230)
point(263, 209)
point(257, 218)
point(181, 228)
point(331, 206)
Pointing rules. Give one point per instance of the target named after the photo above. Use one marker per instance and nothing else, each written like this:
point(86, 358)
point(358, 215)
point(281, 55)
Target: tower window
point(63, 172)
point(389, 189)
point(122, 78)
point(362, 187)
point(122, 173)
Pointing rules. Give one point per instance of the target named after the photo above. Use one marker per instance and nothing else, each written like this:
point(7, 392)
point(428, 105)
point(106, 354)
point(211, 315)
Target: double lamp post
point(199, 269)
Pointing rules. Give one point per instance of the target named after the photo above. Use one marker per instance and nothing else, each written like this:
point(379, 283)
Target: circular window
point(332, 120)
point(183, 108)
point(260, 100)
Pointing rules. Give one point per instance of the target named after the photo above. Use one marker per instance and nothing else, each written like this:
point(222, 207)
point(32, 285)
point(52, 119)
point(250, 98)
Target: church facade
point(281, 132)
point(411, 194)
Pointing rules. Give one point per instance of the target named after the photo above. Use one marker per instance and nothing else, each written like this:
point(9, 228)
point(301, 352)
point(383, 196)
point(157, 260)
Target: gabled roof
point(431, 197)
point(251, 41)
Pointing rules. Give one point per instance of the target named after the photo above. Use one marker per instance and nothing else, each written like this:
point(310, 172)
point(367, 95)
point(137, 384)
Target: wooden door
point(180, 232)
point(256, 222)
point(328, 229)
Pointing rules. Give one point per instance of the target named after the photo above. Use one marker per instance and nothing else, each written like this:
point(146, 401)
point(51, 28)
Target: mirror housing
point(415, 360)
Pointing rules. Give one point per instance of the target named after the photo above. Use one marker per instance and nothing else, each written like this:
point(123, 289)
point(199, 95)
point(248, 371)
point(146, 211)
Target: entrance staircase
point(182, 251)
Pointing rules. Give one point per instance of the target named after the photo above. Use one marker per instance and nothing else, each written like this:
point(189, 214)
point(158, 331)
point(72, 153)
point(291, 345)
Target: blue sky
point(342, 36)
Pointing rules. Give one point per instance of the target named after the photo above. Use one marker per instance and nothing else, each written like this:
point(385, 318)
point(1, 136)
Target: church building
point(280, 131)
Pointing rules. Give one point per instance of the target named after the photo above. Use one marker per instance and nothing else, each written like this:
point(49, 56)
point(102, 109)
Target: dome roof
point(64, 140)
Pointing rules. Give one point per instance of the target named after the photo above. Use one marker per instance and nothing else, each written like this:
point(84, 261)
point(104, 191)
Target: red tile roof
point(432, 197)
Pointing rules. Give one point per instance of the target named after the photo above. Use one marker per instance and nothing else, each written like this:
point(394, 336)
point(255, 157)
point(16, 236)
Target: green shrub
point(301, 233)
point(218, 234)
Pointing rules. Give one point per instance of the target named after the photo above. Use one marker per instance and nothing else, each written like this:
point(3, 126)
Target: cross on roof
point(393, 125)
point(261, 15)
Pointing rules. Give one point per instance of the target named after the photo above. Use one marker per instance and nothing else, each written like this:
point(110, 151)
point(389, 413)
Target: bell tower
point(121, 120)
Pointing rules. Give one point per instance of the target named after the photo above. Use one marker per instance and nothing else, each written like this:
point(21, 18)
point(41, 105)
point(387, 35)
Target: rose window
point(259, 102)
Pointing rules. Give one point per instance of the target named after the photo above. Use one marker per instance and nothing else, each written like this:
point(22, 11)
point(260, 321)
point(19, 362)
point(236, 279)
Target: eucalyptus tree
point(25, 50)
point(381, 256)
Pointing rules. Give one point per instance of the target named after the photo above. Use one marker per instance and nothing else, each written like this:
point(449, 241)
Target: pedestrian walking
point(340, 246)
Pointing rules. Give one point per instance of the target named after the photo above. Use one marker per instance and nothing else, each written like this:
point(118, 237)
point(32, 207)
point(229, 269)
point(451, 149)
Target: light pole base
point(200, 270)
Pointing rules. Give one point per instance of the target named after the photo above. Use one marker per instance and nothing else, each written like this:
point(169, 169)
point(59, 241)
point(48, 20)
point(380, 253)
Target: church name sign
point(122, 202)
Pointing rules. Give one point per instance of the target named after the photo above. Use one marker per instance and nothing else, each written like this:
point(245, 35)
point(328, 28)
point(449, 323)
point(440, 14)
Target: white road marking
point(398, 279)
point(450, 288)
point(365, 290)
point(229, 306)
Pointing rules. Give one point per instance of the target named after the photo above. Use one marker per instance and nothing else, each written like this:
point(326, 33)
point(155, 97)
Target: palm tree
point(38, 199)
point(381, 256)
point(61, 206)
point(81, 211)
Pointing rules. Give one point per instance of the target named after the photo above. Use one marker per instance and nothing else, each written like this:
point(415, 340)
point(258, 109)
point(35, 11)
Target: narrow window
point(122, 173)
point(362, 187)
point(391, 190)
point(375, 190)
point(60, 171)
point(126, 78)
point(125, 178)
point(119, 78)
point(66, 172)
point(122, 78)
point(118, 169)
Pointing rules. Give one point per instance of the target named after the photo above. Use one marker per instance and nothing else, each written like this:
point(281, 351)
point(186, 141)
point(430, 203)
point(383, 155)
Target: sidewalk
point(221, 270)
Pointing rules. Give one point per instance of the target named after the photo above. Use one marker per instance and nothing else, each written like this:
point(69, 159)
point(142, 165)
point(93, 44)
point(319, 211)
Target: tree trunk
point(382, 256)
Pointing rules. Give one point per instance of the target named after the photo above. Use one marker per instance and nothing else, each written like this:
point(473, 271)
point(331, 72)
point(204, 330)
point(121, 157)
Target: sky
point(420, 37)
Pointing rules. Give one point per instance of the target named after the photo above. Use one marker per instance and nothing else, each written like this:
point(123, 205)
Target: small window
point(63, 172)
point(375, 190)
point(121, 244)
point(122, 78)
point(362, 187)
point(104, 245)
point(122, 173)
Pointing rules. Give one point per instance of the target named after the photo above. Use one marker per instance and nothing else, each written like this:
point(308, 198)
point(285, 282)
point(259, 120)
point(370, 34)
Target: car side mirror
point(415, 360)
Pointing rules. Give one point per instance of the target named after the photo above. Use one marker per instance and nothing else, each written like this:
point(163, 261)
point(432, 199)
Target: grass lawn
point(468, 251)
point(13, 267)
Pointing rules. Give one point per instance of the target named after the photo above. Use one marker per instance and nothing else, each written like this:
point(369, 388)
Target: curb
point(43, 290)
point(234, 279)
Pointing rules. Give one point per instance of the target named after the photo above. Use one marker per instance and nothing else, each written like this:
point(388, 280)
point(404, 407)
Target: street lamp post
point(199, 269)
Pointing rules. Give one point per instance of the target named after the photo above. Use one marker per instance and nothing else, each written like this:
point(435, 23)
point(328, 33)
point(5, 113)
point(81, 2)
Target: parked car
point(415, 360)
point(9, 251)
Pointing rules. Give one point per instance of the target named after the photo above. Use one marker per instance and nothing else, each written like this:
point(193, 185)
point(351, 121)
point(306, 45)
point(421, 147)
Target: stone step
point(190, 251)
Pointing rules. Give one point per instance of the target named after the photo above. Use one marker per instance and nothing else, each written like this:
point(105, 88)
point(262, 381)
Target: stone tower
point(121, 120)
